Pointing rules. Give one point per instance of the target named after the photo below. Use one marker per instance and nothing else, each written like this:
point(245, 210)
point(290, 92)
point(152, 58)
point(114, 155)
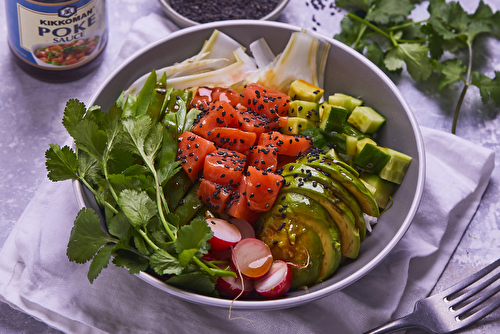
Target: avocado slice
point(333, 188)
point(352, 183)
point(298, 229)
point(338, 210)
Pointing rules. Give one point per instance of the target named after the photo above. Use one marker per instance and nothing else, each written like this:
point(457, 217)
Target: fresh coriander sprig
point(125, 157)
point(425, 47)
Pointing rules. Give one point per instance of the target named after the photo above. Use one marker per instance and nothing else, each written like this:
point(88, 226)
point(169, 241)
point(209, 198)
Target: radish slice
point(224, 236)
point(276, 282)
point(246, 229)
point(253, 257)
point(231, 286)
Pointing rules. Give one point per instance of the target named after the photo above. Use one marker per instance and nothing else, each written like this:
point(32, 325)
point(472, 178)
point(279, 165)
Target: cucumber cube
point(303, 90)
point(346, 101)
point(332, 117)
point(396, 167)
point(342, 143)
point(366, 119)
point(362, 142)
point(296, 124)
point(382, 189)
point(304, 109)
point(372, 158)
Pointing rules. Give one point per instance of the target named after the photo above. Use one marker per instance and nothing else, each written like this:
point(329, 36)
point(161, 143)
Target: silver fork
point(454, 308)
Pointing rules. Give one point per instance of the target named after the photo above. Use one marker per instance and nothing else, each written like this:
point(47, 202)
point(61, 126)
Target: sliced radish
point(276, 282)
point(225, 234)
point(253, 257)
point(246, 229)
point(231, 286)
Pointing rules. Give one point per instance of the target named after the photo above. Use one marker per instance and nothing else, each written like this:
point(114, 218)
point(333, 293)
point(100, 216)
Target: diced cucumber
point(305, 91)
point(304, 109)
point(362, 142)
point(296, 124)
point(346, 101)
point(342, 143)
point(382, 189)
point(396, 167)
point(372, 158)
point(366, 119)
point(332, 117)
point(350, 130)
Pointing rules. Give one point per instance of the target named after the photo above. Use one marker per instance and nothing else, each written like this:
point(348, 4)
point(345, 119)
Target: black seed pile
point(203, 11)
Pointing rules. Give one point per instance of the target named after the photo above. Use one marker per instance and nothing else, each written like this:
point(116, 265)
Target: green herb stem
point(365, 22)
point(148, 240)
point(464, 91)
point(203, 266)
point(98, 196)
point(389, 35)
point(406, 25)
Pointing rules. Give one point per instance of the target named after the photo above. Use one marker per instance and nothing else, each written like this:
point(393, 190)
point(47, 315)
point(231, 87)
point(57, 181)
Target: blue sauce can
point(57, 40)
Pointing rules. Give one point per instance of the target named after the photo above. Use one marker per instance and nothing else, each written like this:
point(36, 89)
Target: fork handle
point(398, 324)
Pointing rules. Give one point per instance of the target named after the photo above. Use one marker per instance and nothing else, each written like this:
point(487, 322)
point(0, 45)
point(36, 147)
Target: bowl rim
point(185, 22)
point(325, 291)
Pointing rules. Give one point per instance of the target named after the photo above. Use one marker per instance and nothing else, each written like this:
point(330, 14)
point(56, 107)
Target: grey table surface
point(31, 111)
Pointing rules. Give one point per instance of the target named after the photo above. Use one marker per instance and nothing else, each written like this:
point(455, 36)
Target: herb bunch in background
point(383, 31)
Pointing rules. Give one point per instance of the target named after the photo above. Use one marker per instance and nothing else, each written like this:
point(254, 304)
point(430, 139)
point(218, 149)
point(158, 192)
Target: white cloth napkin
point(37, 278)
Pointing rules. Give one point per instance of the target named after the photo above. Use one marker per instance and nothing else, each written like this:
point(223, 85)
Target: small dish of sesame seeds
point(190, 13)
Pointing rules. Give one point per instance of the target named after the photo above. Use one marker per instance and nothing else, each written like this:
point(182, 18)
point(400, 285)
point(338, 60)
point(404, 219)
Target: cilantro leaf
point(488, 88)
point(61, 164)
point(137, 206)
point(100, 261)
point(118, 225)
point(350, 31)
point(359, 4)
point(164, 264)
point(86, 237)
point(73, 114)
point(484, 14)
point(415, 57)
point(143, 138)
point(118, 160)
point(153, 141)
point(88, 168)
point(134, 262)
point(385, 11)
point(192, 239)
point(167, 171)
point(451, 71)
point(194, 281)
point(112, 125)
point(90, 139)
point(375, 53)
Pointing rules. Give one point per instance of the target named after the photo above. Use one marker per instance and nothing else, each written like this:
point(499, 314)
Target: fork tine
point(473, 291)
point(470, 280)
point(479, 314)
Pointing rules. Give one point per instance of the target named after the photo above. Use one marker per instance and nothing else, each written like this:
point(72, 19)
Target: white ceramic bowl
point(185, 22)
point(347, 71)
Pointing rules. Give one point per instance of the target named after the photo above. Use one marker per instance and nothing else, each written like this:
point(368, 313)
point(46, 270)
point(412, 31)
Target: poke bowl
point(345, 71)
